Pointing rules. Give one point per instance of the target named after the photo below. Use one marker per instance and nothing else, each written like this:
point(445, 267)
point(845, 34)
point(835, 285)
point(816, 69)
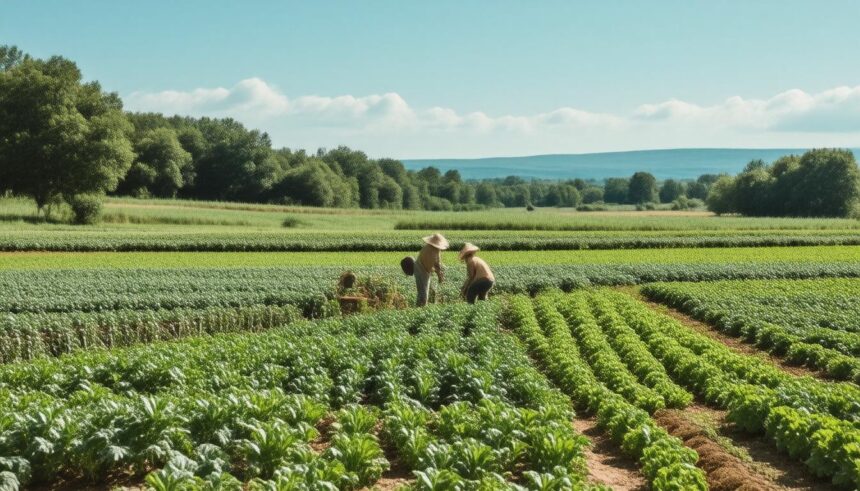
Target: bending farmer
point(428, 261)
point(479, 278)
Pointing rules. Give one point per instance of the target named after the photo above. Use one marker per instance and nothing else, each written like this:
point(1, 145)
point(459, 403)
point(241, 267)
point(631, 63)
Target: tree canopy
point(59, 137)
point(821, 183)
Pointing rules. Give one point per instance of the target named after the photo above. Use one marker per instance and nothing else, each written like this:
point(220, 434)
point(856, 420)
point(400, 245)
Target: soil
point(739, 454)
point(725, 472)
point(606, 464)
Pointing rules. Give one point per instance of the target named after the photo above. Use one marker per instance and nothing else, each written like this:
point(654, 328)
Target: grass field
point(178, 337)
point(144, 215)
point(92, 260)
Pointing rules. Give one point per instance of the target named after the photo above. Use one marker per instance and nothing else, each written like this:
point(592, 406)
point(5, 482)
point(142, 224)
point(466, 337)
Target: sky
point(468, 78)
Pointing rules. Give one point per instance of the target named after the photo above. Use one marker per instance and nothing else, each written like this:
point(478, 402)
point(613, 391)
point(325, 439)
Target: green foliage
point(616, 190)
point(809, 322)
point(821, 182)
point(642, 188)
point(671, 190)
point(86, 208)
point(220, 411)
point(70, 138)
point(721, 197)
point(161, 166)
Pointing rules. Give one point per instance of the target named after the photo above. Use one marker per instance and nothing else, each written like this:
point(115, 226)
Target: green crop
point(229, 409)
point(811, 322)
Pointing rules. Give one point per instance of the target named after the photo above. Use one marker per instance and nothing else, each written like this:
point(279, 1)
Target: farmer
point(479, 278)
point(428, 261)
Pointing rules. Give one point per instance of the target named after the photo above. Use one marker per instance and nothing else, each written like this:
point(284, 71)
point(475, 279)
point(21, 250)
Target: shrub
point(291, 222)
point(86, 208)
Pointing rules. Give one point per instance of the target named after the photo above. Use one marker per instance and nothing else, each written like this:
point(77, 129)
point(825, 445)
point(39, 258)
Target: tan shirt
point(430, 258)
point(476, 269)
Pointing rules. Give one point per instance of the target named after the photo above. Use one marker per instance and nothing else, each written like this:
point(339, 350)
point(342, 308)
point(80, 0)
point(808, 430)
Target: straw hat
point(468, 248)
point(437, 241)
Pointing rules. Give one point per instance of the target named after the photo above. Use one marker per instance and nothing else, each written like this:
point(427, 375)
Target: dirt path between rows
point(703, 428)
point(736, 344)
point(734, 459)
point(605, 462)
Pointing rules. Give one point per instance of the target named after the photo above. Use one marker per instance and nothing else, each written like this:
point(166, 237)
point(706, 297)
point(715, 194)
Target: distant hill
point(680, 163)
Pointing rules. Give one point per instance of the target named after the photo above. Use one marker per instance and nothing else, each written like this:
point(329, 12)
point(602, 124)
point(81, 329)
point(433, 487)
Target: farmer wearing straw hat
point(479, 277)
point(428, 261)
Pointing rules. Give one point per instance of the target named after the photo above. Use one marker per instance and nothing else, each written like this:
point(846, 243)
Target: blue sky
point(474, 78)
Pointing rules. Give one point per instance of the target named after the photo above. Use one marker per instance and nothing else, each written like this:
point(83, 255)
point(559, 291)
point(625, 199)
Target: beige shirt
point(477, 268)
point(430, 258)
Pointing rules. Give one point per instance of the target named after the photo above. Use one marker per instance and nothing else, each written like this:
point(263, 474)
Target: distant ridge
point(678, 163)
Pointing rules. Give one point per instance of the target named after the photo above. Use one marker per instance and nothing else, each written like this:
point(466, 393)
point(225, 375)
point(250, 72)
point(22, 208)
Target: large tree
point(829, 182)
point(59, 137)
point(642, 189)
point(671, 190)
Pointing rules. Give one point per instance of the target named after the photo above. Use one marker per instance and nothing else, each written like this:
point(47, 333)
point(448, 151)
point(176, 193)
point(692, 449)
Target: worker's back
point(429, 257)
point(479, 269)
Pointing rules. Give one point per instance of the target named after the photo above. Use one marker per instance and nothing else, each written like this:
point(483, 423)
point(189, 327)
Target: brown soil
point(768, 468)
point(606, 464)
point(736, 344)
point(725, 472)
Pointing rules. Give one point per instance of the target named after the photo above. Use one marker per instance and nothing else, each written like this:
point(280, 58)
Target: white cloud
point(386, 124)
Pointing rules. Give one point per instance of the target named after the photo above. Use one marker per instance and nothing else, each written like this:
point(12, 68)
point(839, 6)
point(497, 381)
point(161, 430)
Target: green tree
point(697, 190)
point(671, 190)
point(753, 191)
point(159, 167)
point(314, 184)
point(642, 189)
point(237, 165)
point(721, 197)
point(11, 56)
point(60, 137)
point(829, 182)
point(485, 194)
point(592, 194)
point(562, 195)
point(615, 190)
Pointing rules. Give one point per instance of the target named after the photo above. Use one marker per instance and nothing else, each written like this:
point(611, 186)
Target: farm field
point(314, 246)
point(816, 323)
point(89, 260)
point(201, 346)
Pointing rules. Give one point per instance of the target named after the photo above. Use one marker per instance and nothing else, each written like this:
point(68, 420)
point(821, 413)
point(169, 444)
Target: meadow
point(201, 345)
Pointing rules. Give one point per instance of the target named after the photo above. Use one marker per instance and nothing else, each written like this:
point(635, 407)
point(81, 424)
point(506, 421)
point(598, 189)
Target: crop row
point(27, 336)
point(665, 461)
point(493, 220)
point(814, 421)
point(54, 312)
point(309, 288)
point(811, 420)
point(809, 322)
point(441, 390)
point(406, 241)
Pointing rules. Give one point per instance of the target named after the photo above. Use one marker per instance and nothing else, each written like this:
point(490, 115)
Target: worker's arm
point(440, 274)
point(470, 275)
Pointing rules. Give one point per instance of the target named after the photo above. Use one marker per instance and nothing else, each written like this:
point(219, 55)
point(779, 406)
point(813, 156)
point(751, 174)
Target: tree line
point(820, 183)
point(65, 140)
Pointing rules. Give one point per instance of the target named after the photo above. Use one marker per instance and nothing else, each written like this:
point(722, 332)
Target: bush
point(86, 208)
point(684, 203)
point(599, 206)
point(291, 222)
